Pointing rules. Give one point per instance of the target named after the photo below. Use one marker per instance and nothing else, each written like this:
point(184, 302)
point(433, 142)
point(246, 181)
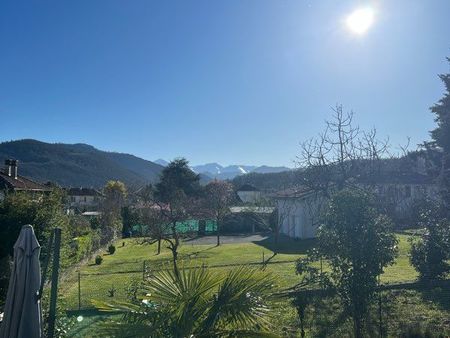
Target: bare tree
point(156, 226)
point(340, 153)
point(218, 196)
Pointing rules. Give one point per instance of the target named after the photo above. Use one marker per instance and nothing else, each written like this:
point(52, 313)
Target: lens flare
point(360, 20)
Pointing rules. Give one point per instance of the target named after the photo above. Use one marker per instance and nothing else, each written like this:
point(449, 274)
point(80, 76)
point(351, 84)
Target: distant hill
point(77, 164)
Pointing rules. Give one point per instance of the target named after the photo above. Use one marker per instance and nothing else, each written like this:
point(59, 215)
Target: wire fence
point(406, 309)
point(118, 284)
point(398, 309)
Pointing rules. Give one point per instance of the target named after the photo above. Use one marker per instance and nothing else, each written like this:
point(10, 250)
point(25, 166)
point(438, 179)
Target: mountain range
point(76, 165)
point(215, 170)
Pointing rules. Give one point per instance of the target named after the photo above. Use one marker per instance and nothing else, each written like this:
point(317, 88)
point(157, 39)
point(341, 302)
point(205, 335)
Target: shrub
point(80, 247)
point(430, 254)
point(111, 249)
point(98, 259)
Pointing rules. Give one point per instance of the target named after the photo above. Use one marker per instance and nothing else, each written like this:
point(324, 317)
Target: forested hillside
point(77, 164)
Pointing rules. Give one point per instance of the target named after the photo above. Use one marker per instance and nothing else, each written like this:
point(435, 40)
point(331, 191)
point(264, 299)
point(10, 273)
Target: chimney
point(14, 165)
point(8, 167)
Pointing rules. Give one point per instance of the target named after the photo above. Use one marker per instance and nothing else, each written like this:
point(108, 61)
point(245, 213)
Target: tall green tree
point(358, 243)
point(441, 134)
point(177, 194)
point(115, 194)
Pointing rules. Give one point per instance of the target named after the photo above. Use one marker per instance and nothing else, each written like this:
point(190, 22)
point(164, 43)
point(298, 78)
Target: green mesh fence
point(184, 227)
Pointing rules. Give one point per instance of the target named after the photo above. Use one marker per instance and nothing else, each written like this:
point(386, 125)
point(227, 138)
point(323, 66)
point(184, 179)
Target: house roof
point(20, 184)
point(247, 187)
point(253, 209)
point(91, 213)
point(83, 192)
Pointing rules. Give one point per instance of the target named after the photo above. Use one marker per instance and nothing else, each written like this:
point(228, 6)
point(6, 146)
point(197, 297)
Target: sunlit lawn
point(117, 270)
point(126, 264)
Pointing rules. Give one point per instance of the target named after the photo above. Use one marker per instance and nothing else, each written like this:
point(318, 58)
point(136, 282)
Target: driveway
point(226, 239)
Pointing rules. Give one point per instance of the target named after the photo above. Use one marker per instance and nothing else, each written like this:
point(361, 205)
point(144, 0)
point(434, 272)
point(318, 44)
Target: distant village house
point(11, 181)
point(82, 200)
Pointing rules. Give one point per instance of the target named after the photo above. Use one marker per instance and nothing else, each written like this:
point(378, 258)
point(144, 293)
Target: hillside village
point(270, 212)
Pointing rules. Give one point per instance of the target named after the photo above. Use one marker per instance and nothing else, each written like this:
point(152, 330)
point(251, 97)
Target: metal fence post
point(79, 290)
point(143, 270)
point(54, 289)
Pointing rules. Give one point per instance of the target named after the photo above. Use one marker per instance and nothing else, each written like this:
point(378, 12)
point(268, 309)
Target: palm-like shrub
point(198, 303)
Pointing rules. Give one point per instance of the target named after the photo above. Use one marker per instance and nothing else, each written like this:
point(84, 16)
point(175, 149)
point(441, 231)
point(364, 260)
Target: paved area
point(227, 239)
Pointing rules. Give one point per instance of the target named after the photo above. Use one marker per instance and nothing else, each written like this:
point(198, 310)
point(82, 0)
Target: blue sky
point(235, 81)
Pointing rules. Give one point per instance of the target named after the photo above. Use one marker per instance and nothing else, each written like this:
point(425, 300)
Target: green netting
point(184, 227)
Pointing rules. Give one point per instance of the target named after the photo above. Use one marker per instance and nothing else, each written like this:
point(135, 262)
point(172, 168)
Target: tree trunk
point(357, 323)
point(174, 248)
point(159, 246)
point(218, 233)
point(302, 322)
point(175, 265)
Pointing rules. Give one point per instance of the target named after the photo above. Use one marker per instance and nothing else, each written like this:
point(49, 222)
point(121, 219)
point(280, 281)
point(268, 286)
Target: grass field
point(126, 264)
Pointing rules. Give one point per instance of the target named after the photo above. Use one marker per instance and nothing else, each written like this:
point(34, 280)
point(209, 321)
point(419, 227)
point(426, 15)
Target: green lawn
point(126, 264)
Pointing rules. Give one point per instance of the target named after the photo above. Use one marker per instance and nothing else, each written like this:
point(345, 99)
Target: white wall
point(298, 218)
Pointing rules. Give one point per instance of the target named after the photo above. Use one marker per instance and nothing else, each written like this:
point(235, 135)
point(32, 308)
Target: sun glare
point(360, 20)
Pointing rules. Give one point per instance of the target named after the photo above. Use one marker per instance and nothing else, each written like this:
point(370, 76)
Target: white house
point(299, 209)
point(84, 199)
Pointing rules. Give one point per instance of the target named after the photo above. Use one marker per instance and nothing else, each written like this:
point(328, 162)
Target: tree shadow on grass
point(439, 295)
point(287, 245)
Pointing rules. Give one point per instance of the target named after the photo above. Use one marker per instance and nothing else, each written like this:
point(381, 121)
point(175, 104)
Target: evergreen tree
point(177, 195)
point(441, 135)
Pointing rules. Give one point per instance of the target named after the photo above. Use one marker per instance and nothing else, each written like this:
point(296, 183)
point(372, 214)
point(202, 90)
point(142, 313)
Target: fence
point(118, 284)
point(408, 309)
point(401, 309)
point(190, 226)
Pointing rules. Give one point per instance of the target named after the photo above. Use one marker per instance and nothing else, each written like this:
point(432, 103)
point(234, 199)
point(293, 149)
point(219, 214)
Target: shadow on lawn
point(287, 245)
point(438, 295)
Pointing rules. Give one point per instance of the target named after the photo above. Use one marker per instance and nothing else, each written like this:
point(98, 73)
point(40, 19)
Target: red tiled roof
point(20, 184)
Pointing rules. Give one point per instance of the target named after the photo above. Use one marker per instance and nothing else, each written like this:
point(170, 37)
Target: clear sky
point(230, 81)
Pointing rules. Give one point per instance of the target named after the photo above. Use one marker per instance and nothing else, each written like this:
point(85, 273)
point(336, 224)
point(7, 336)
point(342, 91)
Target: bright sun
point(360, 20)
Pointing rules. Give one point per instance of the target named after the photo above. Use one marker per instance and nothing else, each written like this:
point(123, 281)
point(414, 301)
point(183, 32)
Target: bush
point(430, 254)
point(111, 249)
point(98, 259)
